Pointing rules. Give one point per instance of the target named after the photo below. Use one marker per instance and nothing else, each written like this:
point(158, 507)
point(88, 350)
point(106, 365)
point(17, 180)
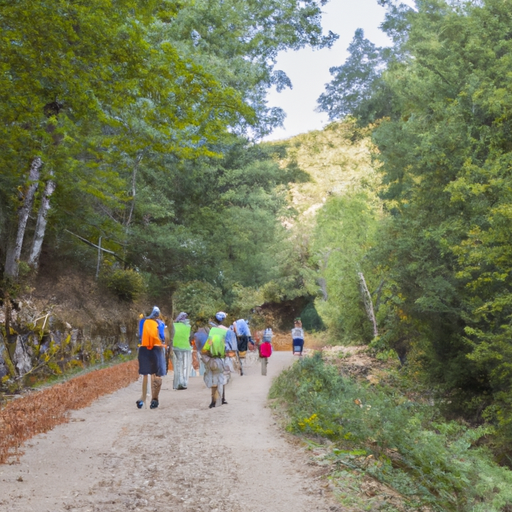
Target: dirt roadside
point(181, 457)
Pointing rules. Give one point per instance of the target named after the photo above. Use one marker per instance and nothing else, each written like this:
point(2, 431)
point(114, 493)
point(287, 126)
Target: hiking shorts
point(152, 362)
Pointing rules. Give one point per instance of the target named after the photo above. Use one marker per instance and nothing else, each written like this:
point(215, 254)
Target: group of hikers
point(215, 352)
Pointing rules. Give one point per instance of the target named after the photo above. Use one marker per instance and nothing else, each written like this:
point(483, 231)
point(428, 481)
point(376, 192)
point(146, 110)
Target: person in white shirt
point(297, 337)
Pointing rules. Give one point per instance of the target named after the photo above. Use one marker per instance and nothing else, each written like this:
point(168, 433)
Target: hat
point(155, 312)
point(182, 316)
point(220, 316)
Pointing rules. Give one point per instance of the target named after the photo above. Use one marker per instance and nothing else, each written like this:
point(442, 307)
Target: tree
point(134, 78)
point(357, 87)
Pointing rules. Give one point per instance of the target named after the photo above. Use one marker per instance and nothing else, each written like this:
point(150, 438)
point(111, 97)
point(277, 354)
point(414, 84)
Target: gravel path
point(181, 457)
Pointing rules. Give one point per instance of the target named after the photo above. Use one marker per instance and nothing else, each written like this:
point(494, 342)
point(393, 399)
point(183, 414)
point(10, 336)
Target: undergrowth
point(379, 432)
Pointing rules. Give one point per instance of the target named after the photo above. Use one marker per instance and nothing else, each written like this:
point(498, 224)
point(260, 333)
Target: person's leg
point(179, 370)
point(264, 362)
point(215, 395)
point(142, 400)
point(220, 390)
point(187, 366)
point(156, 384)
point(224, 396)
point(240, 362)
point(175, 369)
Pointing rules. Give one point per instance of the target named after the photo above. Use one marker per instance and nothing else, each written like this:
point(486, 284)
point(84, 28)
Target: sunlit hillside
point(337, 159)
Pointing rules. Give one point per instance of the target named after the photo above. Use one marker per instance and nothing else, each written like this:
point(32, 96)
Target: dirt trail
point(181, 457)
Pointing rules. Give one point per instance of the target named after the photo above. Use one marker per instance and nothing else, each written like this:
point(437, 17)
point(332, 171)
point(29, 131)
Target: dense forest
point(132, 127)
point(437, 102)
point(130, 149)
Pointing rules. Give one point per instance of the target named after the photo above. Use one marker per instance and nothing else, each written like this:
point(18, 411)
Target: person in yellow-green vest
point(181, 351)
point(213, 355)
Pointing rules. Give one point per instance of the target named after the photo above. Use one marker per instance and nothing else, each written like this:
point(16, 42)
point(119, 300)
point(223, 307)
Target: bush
point(403, 444)
point(127, 285)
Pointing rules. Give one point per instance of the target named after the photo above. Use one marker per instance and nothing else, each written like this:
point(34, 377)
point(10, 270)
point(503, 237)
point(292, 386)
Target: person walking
point(265, 349)
point(213, 356)
point(243, 336)
point(181, 351)
point(231, 345)
point(200, 337)
point(297, 337)
point(151, 356)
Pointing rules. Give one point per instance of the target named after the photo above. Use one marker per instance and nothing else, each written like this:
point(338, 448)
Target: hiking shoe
point(224, 402)
point(211, 405)
point(154, 404)
point(140, 404)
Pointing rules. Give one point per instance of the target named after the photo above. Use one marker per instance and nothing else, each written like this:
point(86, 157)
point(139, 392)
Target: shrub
point(403, 444)
point(127, 285)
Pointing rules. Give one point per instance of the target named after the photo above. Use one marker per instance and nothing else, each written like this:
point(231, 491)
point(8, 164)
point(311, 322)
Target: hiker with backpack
point(231, 344)
point(200, 337)
point(243, 336)
point(213, 355)
point(151, 356)
point(181, 351)
point(265, 349)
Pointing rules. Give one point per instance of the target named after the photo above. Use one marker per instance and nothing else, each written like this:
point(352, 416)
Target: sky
point(309, 69)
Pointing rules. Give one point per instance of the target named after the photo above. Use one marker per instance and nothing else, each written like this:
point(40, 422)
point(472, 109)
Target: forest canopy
point(129, 127)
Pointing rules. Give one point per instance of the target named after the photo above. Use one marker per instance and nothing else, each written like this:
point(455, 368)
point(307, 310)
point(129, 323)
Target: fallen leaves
point(40, 411)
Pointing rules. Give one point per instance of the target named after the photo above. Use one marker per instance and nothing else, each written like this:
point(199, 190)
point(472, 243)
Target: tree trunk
point(37, 242)
point(14, 251)
point(368, 304)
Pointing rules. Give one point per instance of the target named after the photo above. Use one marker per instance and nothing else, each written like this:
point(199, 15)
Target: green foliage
point(400, 443)
point(244, 300)
point(201, 300)
point(133, 122)
point(344, 234)
point(357, 88)
point(128, 285)
point(443, 254)
point(311, 320)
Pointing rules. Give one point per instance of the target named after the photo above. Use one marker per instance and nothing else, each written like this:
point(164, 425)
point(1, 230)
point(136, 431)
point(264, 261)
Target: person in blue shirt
point(200, 337)
point(243, 335)
point(231, 343)
point(151, 356)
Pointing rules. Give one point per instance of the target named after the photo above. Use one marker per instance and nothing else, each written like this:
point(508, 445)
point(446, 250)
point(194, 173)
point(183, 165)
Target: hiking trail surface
point(181, 457)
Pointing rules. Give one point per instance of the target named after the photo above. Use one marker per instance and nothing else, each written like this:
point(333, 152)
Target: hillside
point(337, 159)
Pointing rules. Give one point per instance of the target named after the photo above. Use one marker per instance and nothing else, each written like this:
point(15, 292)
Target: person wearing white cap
point(151, 356)
point(213, 356)
point(181, 351)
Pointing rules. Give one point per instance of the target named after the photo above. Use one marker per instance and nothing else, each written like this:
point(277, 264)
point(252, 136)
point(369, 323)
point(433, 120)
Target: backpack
point(265, 349)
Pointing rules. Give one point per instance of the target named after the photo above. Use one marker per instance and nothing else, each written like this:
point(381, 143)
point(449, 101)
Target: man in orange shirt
point(151, 356)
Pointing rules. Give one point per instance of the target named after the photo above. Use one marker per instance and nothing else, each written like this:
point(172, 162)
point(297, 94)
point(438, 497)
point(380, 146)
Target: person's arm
point(161, 330)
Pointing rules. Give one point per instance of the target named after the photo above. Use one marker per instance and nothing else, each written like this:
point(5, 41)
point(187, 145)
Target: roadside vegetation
point(391, 436)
